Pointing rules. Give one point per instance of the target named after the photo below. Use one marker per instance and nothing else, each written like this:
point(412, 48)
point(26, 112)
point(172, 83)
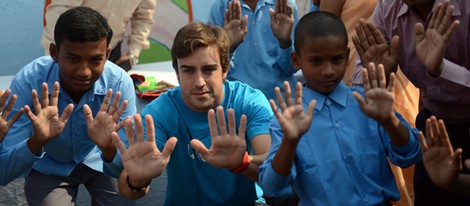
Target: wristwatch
point(134, 58)
point(136, 189)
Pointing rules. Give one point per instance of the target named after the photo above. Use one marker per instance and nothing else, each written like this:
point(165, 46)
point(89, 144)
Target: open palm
point(282, 21)
point(431, 43)
point(46, 122)
point(142, 160)
point(442, 164)
point(227, 148)
point(292, 118)
point(105, 122)
point(5, 111)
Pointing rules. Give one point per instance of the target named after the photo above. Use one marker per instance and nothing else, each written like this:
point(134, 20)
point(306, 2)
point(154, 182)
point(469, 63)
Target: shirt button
point(328, 102)
point(256, 44)
point(253, 22)
point(337, 125)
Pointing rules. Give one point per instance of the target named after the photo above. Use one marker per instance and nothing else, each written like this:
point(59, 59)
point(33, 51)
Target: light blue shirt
point(342, 158)
point(191, 180)
point(73, 146)
point(259, 61)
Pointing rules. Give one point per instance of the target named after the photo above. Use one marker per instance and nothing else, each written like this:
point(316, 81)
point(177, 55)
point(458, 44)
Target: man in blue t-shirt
point(185, 127)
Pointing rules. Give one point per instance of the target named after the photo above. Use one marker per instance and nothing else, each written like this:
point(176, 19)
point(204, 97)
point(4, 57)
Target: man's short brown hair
point(197, 35)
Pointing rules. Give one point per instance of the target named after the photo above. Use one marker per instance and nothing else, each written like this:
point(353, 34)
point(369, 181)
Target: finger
point(64, 118)
point(279, 98)
point(238, 11)
point(357, 45)
point(382, 81)
point(457, 156)
point(435, 131)
point(120, 111)
point(36, 104)
point(378, 36)
point(88, 114)
point(282, 6)
point(199, 147)
point(446, 36)
point(14, 118)
point(290, 11)
point(311, 107)
point(372, 76)
point(439, 15)
point(150, 128)
point(44, 95)
point(361, 34)
point(446, 19)
point(106, 100)
point(212, 123)
point(288, 94)
point(360, 100)
point(298, 94)
point(139, 129)
point(129, 131)
point(169, 147)
point(394, 48)
point(365, 79)
point(120, 124)
point(391, 84)
point(278, 6)
point(55, 94)
point(9, 107)
point(115, 103)
point(4, 98)
point(370, 35)
point(221, 121)
point(119, 144)
point(443, 135)
point(244, 26)
point(242, 128)
point(467, 164)
point(429, 133)
point(422, 141)
point(231, 123)
point(226, 14)
point(29, 113)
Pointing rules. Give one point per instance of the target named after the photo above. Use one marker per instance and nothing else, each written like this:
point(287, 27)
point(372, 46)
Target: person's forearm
point(252, 171)
point(399, 134)
point(284, 157)
point(35, 145)
point(109, 153)
point(127, 191)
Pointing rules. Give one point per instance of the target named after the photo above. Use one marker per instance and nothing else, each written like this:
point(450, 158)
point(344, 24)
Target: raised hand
point(142, 160)
point(378, 101)
point(441, 162)
point(46, 122)
point(234, 24)
point(5, 111)
point(282, 22)
point(105, 122)
point(372, 47)
point(227, 148)
point(292, 118)
point(431, 43)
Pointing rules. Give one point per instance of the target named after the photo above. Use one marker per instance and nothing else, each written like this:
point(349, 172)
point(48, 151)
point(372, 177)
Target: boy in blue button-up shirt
point(60, 152)
point(339, 158)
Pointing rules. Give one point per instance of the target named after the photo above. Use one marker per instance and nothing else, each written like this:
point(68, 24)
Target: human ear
point(295, 60)
point(54, 52)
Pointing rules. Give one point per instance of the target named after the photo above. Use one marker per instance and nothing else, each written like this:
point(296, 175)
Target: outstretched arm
point(378, 103)
point(5, 110)
point(142, 161)
point(294, 122)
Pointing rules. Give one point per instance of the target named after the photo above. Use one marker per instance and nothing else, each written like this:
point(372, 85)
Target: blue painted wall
point(20, 32)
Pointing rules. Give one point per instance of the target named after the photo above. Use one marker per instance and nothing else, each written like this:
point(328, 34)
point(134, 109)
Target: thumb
point(169, 147)
point(199, 147)
point(419, 31)
point(467, 163)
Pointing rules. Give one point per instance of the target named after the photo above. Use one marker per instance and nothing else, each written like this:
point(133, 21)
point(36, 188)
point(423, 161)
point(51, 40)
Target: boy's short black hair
point(81, 24)
point(318, 24)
